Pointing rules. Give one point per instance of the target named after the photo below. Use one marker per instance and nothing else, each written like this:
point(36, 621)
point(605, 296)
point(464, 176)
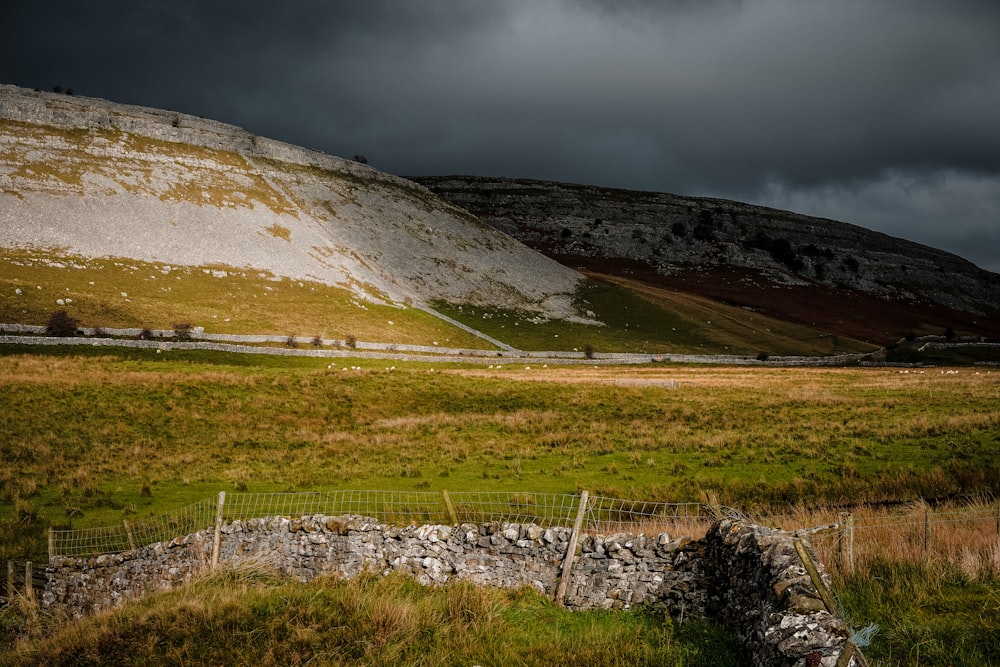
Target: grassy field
point(117, 292)
point(130, 434)
point(186, 425)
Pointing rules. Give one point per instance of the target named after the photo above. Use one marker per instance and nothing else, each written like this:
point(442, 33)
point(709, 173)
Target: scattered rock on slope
point(101, 179)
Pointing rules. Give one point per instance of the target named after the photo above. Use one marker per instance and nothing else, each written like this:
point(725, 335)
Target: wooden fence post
point(845, 546)
point(850, 543)
point(842, 542)
point(29, 589)
point(451, 508)
point(809, 564)
point(927, 530)
point(129, 535)
point(713, 505)
point(52, 544)
point(567, 567)
point(218, 529)
point(10, 580)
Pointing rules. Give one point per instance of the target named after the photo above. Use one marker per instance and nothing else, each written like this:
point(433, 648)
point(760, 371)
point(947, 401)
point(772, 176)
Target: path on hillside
point(465, 327)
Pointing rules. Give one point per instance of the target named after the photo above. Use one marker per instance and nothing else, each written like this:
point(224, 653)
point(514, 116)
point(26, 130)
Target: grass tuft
point(250, 617)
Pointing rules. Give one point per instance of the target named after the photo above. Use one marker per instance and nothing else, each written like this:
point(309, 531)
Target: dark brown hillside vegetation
point(840, 312)
point(843, 312)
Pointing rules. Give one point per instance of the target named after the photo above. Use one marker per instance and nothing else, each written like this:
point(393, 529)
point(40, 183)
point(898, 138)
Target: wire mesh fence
point(617, 514)
point(967, 536)
point(392, 507)
point(543, 509)
point(88, 541)
point(243, 506)
point(131, 534)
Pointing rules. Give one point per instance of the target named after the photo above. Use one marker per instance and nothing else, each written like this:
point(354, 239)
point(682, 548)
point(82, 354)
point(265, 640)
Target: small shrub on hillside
point(780, 250)
point(704, 232)
point(27, 513)
point(317, 341)
point(588, 351)
point(763, 356)
point(290, 341)
point(182, 330)
point(61, 324)
point(351, 342)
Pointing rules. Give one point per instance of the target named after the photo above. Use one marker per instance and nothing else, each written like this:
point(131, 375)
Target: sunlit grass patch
point(123, 293)
point(252, 617)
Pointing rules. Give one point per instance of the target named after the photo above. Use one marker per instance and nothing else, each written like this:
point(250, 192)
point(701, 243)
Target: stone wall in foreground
point(751, 580)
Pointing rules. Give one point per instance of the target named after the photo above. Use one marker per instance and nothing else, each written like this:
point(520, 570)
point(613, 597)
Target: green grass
point(640, 319)
point(927, 614)
point(254, 618)
point(189, 424)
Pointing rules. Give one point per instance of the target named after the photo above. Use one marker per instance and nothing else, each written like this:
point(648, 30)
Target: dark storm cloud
point(878, 112)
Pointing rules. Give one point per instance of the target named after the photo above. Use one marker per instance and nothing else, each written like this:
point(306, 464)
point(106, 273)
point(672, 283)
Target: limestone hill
point(837, 277)
point(88, 178)
point(135, 217)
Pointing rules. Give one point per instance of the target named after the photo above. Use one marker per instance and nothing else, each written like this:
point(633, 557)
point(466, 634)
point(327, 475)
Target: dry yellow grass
point(963, 534)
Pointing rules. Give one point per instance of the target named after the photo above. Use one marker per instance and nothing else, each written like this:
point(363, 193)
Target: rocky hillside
point(98, 179)
point(801, 268)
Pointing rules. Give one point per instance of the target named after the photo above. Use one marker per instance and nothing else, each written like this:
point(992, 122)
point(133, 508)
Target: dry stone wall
point(747, 578)
point(764, 594)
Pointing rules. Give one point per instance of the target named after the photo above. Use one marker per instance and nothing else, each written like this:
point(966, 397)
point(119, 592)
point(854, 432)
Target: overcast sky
point(884, 113)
